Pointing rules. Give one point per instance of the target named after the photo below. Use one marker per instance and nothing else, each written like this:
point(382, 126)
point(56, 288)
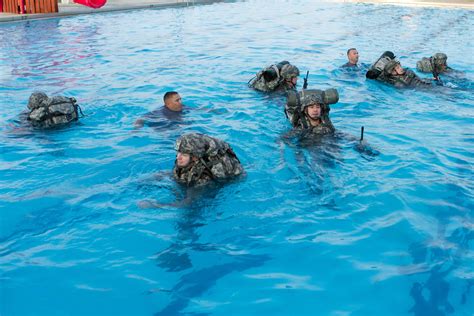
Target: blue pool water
point(318, 230)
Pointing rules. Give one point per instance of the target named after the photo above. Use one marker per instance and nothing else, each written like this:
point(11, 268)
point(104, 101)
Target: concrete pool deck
point(69, 8)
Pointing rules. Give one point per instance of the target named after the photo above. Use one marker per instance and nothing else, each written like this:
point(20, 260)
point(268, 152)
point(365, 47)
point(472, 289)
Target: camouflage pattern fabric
point(299, 120)
point(215, 160)
point(287, 72)
point(325, 128)
point(48, 112)
point(408, 80)
point(434, 63)
point(424, 65)
point(260, 84)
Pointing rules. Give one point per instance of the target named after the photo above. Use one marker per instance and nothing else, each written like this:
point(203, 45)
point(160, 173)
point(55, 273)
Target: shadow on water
point(177, 257)
point(199, 281)
point(432, 297)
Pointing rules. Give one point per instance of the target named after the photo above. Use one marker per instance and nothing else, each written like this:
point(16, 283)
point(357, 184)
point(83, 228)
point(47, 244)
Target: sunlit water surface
point(318, 230)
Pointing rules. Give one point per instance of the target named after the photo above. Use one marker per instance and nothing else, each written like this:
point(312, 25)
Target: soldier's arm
point(139, 123)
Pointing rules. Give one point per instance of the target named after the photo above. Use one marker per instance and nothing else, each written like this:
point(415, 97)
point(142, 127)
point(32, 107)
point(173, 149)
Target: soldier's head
point(313, 106)
point(353, 56)
point(189, 147)
point(394, 68)
point(290, 74)
point(440, 62)
point(172, 101)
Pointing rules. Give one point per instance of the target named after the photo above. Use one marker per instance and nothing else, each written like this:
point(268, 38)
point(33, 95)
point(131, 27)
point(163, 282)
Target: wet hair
point(349, 50)
point(169, 94)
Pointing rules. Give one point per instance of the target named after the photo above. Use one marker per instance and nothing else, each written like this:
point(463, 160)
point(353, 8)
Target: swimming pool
point(309, 231)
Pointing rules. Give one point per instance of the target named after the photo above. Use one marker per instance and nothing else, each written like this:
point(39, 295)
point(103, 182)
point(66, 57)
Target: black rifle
point(305, 83)
point(362, 133)
point(435, 73)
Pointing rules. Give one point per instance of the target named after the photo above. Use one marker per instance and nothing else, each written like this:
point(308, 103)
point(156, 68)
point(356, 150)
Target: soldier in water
point(388, 69)
point(201, 159)
point(171, 112)
point(282, 76)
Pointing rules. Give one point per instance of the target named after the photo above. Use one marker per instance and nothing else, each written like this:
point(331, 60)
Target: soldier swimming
point(388, 69)
point(308, 110)
point(201, 159)
point(436, 65)
point(281, 76)
point(308, 113)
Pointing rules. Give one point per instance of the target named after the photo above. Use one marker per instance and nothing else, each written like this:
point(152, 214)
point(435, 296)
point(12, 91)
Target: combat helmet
point(390, 66)
point(440, 59)
point(314, 98)
point(289, 71)
point(439, 62)
point(192, 144)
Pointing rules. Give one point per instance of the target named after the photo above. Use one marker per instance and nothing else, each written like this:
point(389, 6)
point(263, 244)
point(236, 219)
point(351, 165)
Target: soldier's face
point(353, 56)
point(313, 111)
point(441, 67)
point(182, 159)
point(174, 102)
point(398, 70)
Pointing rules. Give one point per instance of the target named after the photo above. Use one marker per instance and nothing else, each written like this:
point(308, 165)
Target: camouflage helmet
point(198, 145)
point(311, 99)
point(289, 71)
point(440, 59)
point(390, 66)
point(36, 100)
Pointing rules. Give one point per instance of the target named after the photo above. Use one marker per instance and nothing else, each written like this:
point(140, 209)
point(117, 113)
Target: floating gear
point(212, 159)
point(389, 66)
point(272, 77)
point(378, 67)
point(436, 64)
point(296, 99)
point(48, 112)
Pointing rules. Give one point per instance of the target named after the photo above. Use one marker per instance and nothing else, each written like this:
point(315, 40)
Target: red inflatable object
point(95, 4)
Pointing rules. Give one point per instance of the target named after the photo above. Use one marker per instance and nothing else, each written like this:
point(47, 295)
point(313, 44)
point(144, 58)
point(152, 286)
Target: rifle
point(362, 133)
point(435, 73)
point(305, 83)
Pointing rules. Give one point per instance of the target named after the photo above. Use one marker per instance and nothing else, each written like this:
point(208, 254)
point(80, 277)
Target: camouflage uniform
point(299, 119)
point(215, 160)
point(408, 80)
point(435, 64)
point(287, 71)
point(48, 112)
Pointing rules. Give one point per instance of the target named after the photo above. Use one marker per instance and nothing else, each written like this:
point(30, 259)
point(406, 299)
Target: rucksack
point(48, 112)
point(269, 78)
